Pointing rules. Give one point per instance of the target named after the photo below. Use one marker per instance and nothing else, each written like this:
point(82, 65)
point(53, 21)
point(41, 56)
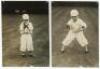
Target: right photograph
point(75, 34)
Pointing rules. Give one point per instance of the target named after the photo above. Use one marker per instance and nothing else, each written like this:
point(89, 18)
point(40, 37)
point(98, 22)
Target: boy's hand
point(80, 29)
point(83, 27)
point(68, 27)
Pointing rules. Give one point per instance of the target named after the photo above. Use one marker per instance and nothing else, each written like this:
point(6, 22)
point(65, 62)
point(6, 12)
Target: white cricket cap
point(74, 12)
point(25, 16)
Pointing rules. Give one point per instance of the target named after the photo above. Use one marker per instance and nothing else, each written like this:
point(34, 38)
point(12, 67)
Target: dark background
point(37, 7)
point(77, 4)
point(11, 19)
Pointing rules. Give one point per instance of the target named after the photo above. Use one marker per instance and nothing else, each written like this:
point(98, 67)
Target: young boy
point(26, 43)
point(76, 27)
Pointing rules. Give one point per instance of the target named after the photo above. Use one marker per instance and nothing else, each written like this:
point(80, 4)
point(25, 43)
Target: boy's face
point(26, 21)
point(74, 18)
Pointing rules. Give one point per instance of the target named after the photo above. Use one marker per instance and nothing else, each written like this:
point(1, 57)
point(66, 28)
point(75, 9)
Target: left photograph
point(25, 33)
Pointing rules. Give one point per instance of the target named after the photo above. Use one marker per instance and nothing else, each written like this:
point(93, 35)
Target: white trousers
point(26, 43)
point(78, 36)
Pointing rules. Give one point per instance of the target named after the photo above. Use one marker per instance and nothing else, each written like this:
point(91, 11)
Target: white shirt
point(30, 28)
point(76, 26)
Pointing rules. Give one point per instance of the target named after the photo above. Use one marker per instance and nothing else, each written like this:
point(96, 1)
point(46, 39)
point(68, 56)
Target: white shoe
point(62, 49)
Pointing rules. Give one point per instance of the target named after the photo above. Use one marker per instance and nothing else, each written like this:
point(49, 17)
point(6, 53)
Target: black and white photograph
point(75, 39)
point(25, 33)
point(49, 34)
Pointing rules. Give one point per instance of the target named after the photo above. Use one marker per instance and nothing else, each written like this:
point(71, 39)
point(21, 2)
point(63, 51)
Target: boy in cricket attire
point(26, 43)
point(76, 27)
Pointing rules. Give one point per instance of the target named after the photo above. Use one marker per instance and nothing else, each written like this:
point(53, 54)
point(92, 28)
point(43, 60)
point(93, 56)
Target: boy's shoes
point(23, 55)
point(62, 51)
point(30, 55)
point(86, 52)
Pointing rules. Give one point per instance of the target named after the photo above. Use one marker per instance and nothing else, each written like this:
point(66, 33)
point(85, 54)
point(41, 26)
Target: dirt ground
point(74, 54)
point(11, 41)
